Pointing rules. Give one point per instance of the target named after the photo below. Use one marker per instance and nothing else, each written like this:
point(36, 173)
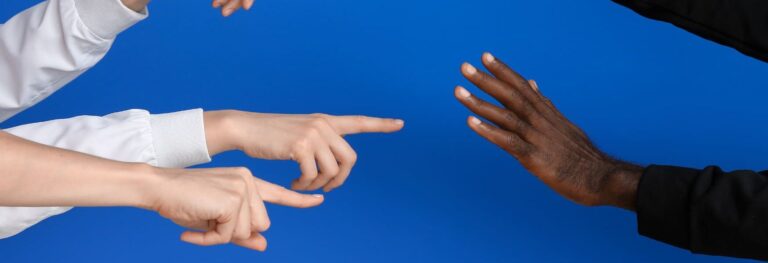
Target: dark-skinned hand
point(548, 145)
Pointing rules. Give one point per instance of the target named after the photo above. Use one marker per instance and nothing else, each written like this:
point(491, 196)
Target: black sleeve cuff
point(663, 209)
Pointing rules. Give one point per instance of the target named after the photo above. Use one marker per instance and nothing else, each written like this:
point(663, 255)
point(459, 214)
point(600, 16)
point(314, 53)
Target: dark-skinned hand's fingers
point(535, 88)
point(508, 96)
point(534, 85)
point(508, 141)
point(507, 75)
point(501, 117)
point(503, 72)
point(560, 116)
point(255, 242)
point(536, 112)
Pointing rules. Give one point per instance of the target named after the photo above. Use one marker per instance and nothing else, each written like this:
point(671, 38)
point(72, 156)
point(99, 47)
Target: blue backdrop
point(435, 192)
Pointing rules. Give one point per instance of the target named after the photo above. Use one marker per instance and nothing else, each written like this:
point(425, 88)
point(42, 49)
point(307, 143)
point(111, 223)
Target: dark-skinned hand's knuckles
point(513, 121)
point(517, 146)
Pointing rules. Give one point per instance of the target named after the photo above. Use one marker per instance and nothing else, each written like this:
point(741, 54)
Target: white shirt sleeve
point(48, 45)
point(165, 140)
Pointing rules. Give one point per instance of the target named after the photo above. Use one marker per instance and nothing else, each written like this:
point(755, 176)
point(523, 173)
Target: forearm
point(32, 174)
point(61, 39)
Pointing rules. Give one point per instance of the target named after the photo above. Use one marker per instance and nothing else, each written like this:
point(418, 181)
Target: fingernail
point(488, 57)
point(463, 92)
point(228, 12)
point(399, 122)
point(474, 120)
point(469, 69)
point(534, 85)
point(317, 195)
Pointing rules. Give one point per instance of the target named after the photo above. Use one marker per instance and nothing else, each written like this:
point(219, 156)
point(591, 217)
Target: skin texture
point(228, 204)
point(315, 141)
point(225, 204)
point(228, 7)
point(531, 129)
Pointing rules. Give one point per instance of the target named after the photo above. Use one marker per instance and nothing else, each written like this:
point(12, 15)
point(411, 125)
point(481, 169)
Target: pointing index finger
point(279, 195)
point(364, 124)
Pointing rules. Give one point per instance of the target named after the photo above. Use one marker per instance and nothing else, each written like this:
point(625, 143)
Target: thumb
point(276, 194)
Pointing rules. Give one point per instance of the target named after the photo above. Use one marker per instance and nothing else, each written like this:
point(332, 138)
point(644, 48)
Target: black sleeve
point(741, 24)
point(706, 211)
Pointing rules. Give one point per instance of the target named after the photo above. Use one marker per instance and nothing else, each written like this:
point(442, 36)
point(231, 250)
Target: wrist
point(218, 131)
point(144, 184)
point(622, 185)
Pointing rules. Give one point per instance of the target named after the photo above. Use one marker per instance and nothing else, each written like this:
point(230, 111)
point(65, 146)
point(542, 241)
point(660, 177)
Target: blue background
point(645, 91)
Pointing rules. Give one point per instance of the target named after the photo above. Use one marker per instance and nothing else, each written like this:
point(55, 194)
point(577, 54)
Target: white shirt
point(47, 46)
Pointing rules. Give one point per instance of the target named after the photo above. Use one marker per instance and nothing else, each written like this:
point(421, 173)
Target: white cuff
point(179, 138)
point(107, 18)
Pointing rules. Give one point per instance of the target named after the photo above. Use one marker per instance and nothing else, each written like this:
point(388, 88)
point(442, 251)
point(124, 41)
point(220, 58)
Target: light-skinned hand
point(315, 141)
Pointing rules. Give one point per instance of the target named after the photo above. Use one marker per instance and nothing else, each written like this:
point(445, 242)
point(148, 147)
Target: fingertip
point(262, 243)
point(461, 93)
point(398, 124)
point(488, 57)
point(473, 121)
point(384, 125)
point(191, 237)
point(318, 199)
point(257, 242)
point(534, 85)
point(468, 69)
